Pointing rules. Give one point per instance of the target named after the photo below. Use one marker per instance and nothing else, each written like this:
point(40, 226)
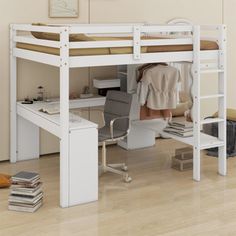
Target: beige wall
point(156, 11)
point(230, 21)
point(33, 74)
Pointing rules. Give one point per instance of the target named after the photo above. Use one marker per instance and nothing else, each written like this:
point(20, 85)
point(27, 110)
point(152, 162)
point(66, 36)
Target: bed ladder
point(198, 69)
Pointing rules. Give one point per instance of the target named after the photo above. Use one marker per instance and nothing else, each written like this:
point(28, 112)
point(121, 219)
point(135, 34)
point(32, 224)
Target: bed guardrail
point(135, 31)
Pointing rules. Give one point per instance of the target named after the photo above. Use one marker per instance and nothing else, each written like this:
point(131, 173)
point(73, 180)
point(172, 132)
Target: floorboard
point(159, 201)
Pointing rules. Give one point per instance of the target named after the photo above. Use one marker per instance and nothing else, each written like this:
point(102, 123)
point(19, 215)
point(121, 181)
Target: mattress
point(205, 45)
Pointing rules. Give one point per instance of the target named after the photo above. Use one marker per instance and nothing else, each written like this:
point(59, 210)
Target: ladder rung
point(208, 141)
point(208, 71)
point(212, 96)
point(212, 145)
point(212, 120)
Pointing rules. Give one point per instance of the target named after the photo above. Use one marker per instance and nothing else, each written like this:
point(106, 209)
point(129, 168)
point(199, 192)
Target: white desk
point(82, 165)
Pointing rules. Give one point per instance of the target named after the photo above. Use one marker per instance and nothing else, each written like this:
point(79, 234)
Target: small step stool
point(183, 159)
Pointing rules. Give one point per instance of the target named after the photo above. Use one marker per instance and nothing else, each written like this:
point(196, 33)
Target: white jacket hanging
point(158, 87)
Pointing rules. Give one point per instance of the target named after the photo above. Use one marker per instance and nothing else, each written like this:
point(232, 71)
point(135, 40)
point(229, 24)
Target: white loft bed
point(78, 141)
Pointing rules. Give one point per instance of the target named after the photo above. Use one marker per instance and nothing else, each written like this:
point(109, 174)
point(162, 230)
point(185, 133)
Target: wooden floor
point(159, 201)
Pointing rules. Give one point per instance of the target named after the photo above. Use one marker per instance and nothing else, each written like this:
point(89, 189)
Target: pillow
point(5, 181)
point(56, 37)
point(181, 108)
point(119, 50)
point(231, 114)
point(184, 97)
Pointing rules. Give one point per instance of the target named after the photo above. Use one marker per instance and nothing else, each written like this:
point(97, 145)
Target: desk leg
point(27, 140)
point(13, 98)
point(83, 166)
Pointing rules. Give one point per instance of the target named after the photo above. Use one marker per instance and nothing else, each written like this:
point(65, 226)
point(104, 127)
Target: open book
point(53, 109)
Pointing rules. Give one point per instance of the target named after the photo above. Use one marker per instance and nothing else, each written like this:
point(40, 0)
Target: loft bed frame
point(62, 127)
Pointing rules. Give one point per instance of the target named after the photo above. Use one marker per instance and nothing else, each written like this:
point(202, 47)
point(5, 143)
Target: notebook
point(25, 176)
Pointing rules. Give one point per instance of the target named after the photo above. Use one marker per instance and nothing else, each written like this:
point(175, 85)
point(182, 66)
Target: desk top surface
point(76, 122)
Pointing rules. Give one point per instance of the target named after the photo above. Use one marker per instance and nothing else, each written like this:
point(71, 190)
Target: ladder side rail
point(64, 117)
point(222, 106)
point(13, 97)
point(196, 104)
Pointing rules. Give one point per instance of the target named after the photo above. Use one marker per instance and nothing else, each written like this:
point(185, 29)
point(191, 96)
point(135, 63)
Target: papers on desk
point(50, 109)
point(54, 109)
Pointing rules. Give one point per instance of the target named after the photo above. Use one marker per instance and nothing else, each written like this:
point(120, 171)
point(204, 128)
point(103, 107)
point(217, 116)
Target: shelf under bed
point(207, 141)
point(157, 125)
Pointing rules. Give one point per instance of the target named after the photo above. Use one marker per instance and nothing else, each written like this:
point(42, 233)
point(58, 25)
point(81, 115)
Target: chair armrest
point(112, 125)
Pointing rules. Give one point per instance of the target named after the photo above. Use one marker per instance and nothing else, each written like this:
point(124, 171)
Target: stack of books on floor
point(26, 192)
point(180, 128)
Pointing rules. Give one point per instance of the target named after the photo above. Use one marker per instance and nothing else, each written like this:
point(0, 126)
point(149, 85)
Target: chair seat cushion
point(104, 133)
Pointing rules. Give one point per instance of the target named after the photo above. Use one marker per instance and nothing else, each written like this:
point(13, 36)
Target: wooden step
point(209, 71)
point(207, 141)
point(212, 120)
point(212, 96)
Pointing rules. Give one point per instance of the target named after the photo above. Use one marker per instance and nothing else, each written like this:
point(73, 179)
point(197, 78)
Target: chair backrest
point(118, 104)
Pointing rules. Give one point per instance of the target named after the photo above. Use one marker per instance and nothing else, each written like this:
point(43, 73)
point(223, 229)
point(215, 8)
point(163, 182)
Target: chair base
point(104, 167)
point(122, 166)
point(112, 168)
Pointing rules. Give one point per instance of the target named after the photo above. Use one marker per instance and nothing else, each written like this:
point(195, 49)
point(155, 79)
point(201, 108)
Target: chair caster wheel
point(124, 168)
point(127, 179)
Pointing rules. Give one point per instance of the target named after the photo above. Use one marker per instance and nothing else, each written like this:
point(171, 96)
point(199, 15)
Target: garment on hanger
point(149, 114)
point(158, 87)
point(185, 69)
point(144, 67)
point(132, 74)
point(135, 73)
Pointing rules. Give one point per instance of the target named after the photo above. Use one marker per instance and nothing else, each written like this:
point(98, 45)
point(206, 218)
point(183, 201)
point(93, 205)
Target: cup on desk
point(47, 97)
point(75, 115)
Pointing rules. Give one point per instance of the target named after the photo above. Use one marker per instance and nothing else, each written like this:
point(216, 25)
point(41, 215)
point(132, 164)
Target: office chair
point(117, 125)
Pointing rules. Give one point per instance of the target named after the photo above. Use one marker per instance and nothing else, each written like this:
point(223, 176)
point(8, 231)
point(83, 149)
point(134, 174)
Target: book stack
point(26, 192)
point(183, 159)
point(180, 128)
